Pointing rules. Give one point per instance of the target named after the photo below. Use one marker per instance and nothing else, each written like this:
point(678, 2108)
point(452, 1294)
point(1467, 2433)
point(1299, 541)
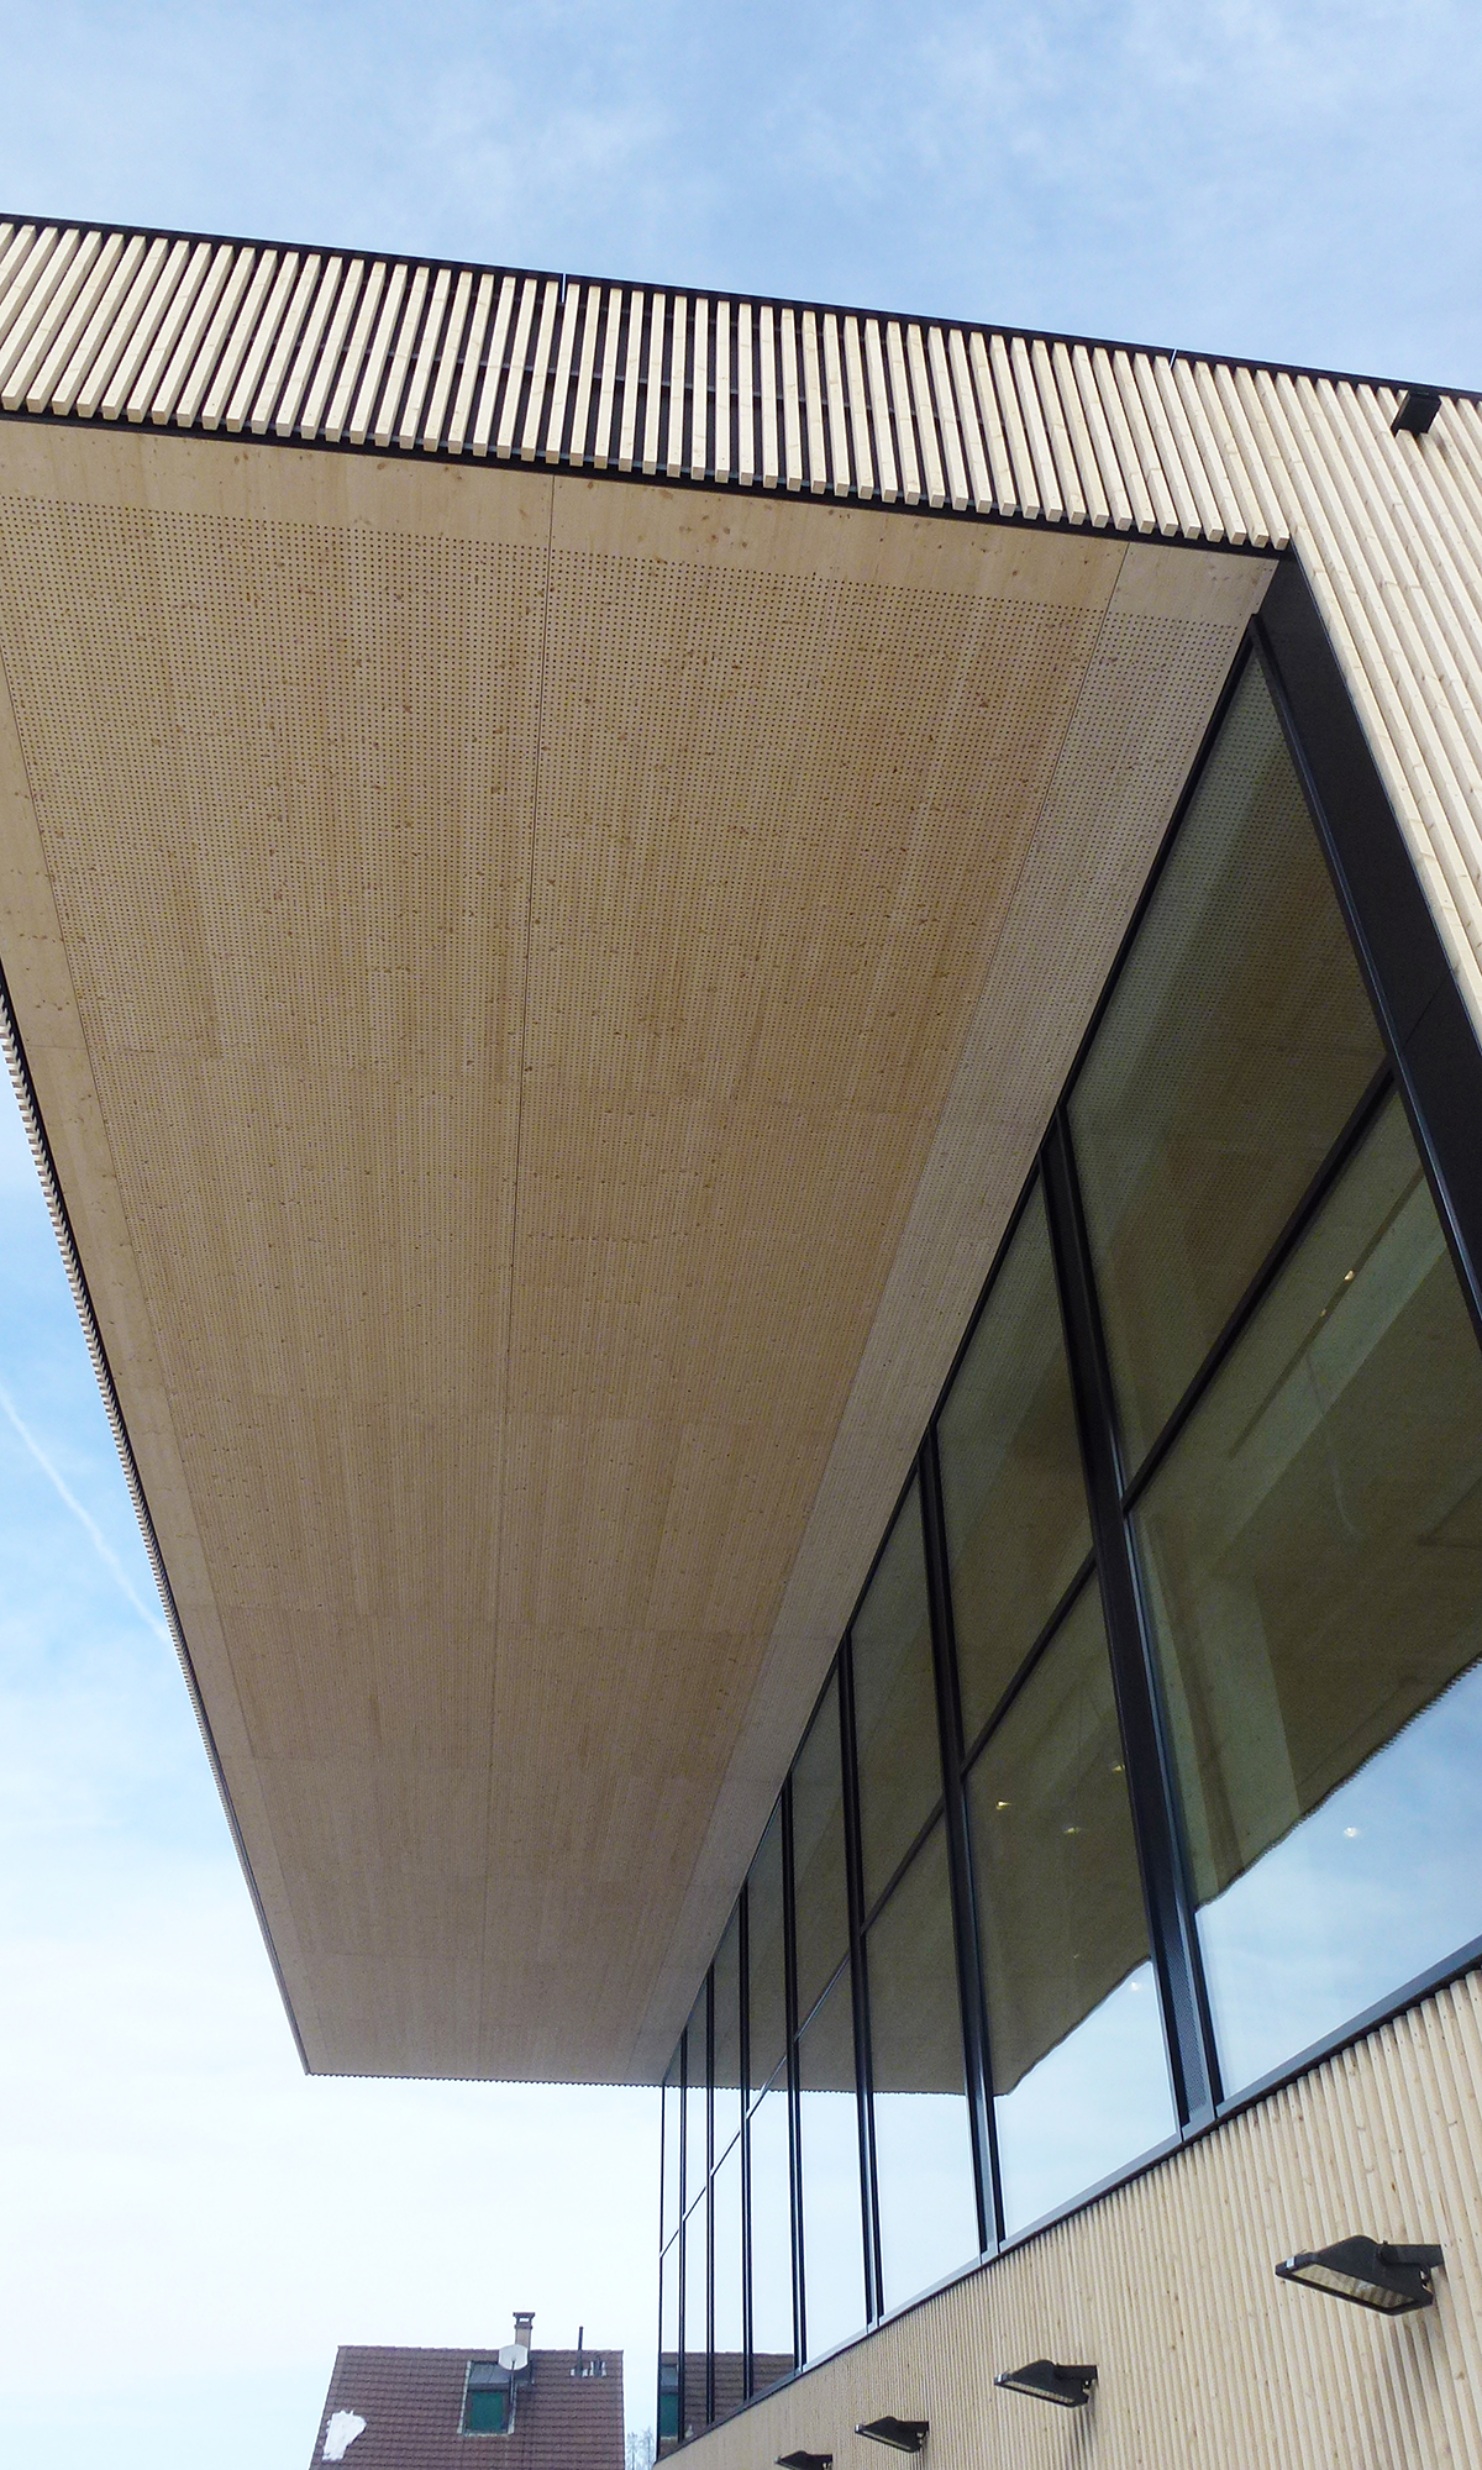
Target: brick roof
point(412, 2405)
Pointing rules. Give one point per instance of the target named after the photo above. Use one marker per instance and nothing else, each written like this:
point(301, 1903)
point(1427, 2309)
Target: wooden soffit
point(541, 992)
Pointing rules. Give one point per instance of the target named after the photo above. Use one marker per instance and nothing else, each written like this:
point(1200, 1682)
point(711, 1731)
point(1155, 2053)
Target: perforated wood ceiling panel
point(498, 956)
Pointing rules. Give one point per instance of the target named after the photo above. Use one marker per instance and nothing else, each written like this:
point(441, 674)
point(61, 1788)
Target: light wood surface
point(541, 993)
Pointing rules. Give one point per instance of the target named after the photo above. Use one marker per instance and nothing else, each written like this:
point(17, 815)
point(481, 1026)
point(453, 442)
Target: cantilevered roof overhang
point(538, 993)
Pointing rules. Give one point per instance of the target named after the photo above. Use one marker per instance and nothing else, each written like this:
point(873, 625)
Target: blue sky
point(190, 2225)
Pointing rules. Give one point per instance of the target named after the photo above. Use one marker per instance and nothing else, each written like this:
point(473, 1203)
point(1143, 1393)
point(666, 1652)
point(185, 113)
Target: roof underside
point(541, 994)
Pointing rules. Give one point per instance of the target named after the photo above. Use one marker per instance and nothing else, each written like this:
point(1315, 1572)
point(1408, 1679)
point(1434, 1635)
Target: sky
point(189, 2224)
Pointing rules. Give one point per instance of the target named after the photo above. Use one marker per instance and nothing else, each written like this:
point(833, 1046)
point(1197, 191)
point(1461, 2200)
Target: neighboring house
point(395, 2409)
point(755, 1032)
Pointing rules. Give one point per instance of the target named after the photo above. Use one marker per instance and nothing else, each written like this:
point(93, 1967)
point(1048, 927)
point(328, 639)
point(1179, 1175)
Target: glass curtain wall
point(1150, 1761)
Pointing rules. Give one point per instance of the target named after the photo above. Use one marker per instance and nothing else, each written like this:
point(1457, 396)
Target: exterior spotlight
point(1392, 2280)
point(902, 2435)
point(1418, 408)
point(1070, 2386)
point(805, 2461)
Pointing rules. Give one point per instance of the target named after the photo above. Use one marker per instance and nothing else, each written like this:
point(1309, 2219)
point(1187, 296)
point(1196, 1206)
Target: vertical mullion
point(681, 2235)
point(794, 2109)
point(863, 2070)
point(1170, 1905)
point(970, 1986)
point(710, 2198)
point(743, 1959)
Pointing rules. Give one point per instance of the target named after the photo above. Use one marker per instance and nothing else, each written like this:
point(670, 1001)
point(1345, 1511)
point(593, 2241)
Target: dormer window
point(488, 2399)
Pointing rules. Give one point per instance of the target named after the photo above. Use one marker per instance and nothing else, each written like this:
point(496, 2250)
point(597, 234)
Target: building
point(392, 2409)
point(755, 1034)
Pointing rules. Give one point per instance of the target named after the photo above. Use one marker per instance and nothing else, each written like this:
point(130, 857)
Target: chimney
point(524, 2319)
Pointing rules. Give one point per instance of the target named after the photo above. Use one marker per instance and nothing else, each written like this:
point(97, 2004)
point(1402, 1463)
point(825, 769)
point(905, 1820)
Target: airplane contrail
point(84, 1519)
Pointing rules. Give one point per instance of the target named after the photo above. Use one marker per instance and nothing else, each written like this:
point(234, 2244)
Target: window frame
point(1433, 1058)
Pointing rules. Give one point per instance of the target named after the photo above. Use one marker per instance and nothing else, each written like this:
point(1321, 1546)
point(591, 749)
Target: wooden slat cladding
point(1167, 2284)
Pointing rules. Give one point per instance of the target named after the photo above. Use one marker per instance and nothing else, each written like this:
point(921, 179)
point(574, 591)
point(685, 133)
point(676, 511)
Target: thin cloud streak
point(88, 1523)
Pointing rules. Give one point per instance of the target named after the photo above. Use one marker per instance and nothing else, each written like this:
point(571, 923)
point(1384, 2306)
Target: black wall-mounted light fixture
point(1418, 408)
point(902, 2435)
point(1046, 2380)
point(805, 2461)
point(1394, 2281)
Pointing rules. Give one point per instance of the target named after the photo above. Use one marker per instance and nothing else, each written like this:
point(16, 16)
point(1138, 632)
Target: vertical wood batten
point(1424, 796)
point(44, 385)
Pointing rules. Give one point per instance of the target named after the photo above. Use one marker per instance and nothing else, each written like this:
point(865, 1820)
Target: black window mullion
point(743, 1986)
point(794, 2112)
point(971, 2001)
point(1170, 1904)
point(863, 2076)
point(710, 2199)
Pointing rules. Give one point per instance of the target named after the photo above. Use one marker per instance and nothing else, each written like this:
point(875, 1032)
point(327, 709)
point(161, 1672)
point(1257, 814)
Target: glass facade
point(1150, 1759)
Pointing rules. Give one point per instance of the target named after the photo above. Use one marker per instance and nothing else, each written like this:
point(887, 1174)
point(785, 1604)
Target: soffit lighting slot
point(1418, 408)
point(1047, 2380)
point(1394, 2281)
point(902, 2435)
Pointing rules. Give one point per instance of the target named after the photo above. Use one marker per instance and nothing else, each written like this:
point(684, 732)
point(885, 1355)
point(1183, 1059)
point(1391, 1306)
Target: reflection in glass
point(725, 2000)
point(697, 2096)
point(668, 2425)
point(820, 1909)
point(695, 2266)
point(767, 2010)
point(833, 2221)
point(771, 2241)
point(895, 1707)
point(725, 2208)
point(923, 2149)
point(1012, 1490)
point(671, 2203)
point(1079, 2070)
point(1314, 1552)
point(1237, 1043)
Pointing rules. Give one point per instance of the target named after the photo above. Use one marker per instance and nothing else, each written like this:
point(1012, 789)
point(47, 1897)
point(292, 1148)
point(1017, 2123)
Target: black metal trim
point(1150, 1779)
point(855, 1959)
point(972, 2005)
point(1420, 1007)
point(794, 2112)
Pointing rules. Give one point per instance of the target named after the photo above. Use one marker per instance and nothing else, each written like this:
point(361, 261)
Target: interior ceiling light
point(1392, 2280)
point(805, 2461)
point(1048, 2381)
point(902, 2435)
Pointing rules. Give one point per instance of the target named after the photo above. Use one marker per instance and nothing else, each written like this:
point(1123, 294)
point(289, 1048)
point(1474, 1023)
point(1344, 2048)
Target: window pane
point(725, 2200)
point(697, 2098)
point(767, 2017)
point(696, 2316)
point(1314, 1553)
point(1079, 2067)
point(895, 1708)
point(668, 2426)
point(1236, 1045)
point(725, 1992)
point(821, 1919)
point(672, 2132)
point(1012, 1488)
point(923, 2148)
point(833, 2222)
point(771, 2242)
